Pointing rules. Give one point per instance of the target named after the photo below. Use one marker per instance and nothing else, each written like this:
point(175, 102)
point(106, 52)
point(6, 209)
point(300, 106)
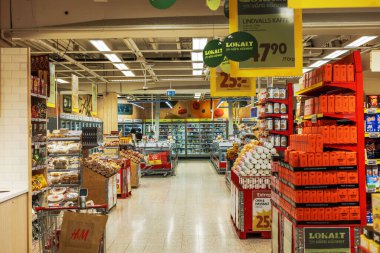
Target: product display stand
point(218, 156)
point(123, 184)
point(319, 188)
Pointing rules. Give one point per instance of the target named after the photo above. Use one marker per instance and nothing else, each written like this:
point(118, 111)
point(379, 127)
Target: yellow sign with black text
point(314, 4)
point(223, 85)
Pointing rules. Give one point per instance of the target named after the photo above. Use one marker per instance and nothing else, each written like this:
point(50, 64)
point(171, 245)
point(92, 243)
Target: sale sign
point(261, 211)
point(308, 4)
point(223, 85)
point(278, 31)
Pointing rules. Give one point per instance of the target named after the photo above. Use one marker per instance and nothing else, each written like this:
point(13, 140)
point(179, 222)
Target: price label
point(371, 162)
point(261, 211)
point(314, 118)
point(373, 135)
point(372, 111)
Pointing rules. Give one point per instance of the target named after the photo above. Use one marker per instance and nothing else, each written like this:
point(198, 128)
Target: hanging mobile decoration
point(213, 4)
point(162, 4)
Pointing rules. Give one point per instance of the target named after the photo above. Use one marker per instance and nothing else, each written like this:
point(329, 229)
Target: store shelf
point(38, 120)
point(324, 168)
point(279, 132)
point(38, 96)
point(274, 100)
point(64, 155)
point(65, 139)
point(35, 193)
point(63, 170)
point(39, 167)
point(372, 162)
point(344, 147)
point(341, 116)
point(318, 187)
point(274, 115)
point(372, 111)
point(321, 87)
point(39, 143)
point(372, 135)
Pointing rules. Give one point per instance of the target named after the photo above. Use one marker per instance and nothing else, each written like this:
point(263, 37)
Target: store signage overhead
point(327, 240)
point(278, 31)
point(75, 93)
point(223, 85)
point(314, 4)
point(213, 4)
point(213, 53)
point(94, 100)
point(52, 98)
point(240, 46)
point(162, 4)
point(170, 93)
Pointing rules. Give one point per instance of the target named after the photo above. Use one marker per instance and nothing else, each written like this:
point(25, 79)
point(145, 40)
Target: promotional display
point(94, 89)
point(53, 85)
point(312, 4)
point(75, 93)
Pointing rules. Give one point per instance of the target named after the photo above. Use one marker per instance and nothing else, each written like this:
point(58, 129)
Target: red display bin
point(124, 188)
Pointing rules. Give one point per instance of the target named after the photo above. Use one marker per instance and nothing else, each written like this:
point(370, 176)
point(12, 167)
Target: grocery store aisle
point(185, 213)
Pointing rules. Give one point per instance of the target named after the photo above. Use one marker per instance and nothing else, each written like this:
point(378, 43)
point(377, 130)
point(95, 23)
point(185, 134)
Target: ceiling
point(156, 44)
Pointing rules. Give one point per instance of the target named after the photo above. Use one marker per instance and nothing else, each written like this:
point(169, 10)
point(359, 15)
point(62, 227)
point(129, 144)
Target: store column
point(107, 111)
point(230, 118)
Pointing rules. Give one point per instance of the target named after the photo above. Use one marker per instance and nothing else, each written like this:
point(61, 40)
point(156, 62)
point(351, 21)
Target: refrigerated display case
point(218, 155)
point(178, 132)
point(220, 128)
point(74, 122)
point(125, 126)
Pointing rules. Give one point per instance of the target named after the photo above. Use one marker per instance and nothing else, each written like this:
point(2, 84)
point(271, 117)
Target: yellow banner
point(94, 100)
point(223, 85)
point(75, 93)
point(267, 48)
point(314, 4)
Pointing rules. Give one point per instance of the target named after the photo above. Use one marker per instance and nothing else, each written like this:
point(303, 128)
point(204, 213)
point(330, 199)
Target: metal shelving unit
point(126, 126)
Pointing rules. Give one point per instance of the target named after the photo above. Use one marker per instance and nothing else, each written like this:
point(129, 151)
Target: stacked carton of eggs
point(254, 165)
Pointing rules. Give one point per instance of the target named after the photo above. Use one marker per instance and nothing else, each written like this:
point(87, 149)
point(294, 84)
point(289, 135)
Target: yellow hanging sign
point(223, 85)
point(314, 4)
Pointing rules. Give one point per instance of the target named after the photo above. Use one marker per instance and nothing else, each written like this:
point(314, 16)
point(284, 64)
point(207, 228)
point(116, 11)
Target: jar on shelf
point(283, 109)
point(284, 124)
point(269, 123)
point(277, 140)
point(282, 93)
point(284, 141)
point(276, 108)
point(277, 124)
point(276, 93)
point(269, 108)
point(271, 139)
point(270, 92)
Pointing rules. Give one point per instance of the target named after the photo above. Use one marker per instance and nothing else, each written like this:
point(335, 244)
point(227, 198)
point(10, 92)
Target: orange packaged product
point(319, 143)
point(346, 134)
point(341, 158)
point(333, 159)
point(314, 130)
point(350, 73)
point(327, 196)
point(338, 103)
point(355, 213)
point(303, 159)
point(329, 214)
point(306, 196)
point(344, 103)
point(305, 178)
point(318, 160)
point(326, 159)
point(319, 176)
point(313, 196)
point(344, 213)
point(336, 213)
point(306, 214)
point(353, 195)
point(323, 104)
point(353, 134)
point(351, 104)
point(299, 198)
point(333, 177)
point(339, 134)
point(319, 197)
point(321, 214)
point(343, 73)
point(327, 72)
point(314, 214)
point(333, 135)
point(336, 73)
point(325, 132)
point(299, 214)
point(316, 105)
point(342, 177)
point(294, 159)
point(351, 158)
point(342, 195)
point(311, 139)
point(331, 104)
point(352, 177)
point(310, 159)
point(298, 178)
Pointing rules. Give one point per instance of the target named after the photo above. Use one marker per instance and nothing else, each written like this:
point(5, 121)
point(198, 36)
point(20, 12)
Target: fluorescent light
point(59, 80)
point(121, 66)
point(335, 54)
point(197, 72)
point(198, 65)
point(197, 94)
point(100, 45)
point(130, 80)
point(199, 43)
point(128, 73)
point(139, 106)
point(197, 56)
point(304, 70)
point(318, 64)
point(248, 105)
point(362, 40)
point(170, 106)
point(220, 103)
point(113, 57)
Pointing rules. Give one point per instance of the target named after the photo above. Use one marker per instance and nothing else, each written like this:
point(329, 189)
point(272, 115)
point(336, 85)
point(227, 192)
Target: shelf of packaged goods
point(39, 143)
point(372, 135)
point(63, 155)
point(112, 147)
point(274, 100)
point(322, 168)
point(279, 132)
point(65, 139)
point(319, 187)
point(39, 167)
point(372, 111)
point(63, 170)
point(64, 185)
point(112, 136)
point(341, 116)
point(344, 147)
point(372, 162)
point(274, 115)
point(321, 87)
point(38, 96)
point(35, 193)
point(38, 120)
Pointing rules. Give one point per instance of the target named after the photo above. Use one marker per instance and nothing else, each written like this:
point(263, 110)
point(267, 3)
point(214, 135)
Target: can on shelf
point(284, 141)
point(269, 122)
point(277, 141)
point(276, 93)
point(283, 108)
point(269, 108)
point(277, 124)
point(271, 139)
point(270, 92)
point(276, 108)
point(284, 124)
point(282, 93)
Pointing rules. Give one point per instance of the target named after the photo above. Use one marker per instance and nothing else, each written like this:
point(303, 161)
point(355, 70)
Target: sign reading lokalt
point(213, 53)
point(318, 240)
point(278, 30)
point(240, 46)
point(313, 4)
point(52, 98)
point(75, 93)
point(162, 4)
point(261, 211)
point(223, 85)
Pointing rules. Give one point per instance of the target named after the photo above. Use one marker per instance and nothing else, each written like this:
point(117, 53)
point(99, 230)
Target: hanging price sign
point(223, 85)
point(278, 31)
point(261, 211)
point(313, 4)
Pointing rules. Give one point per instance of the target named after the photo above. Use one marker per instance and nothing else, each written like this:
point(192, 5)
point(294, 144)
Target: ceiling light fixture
point(318, 63)
point(139, 106)
point(199, 43)
point(168, 104)
point(130, 80)
point(362, 40)
point(121, 66)
point(128, 73)
point(59, 80)
point(198, 65)
point(220, 103)
point(197, 72)
point(100, 45)
point(197, 57)
point(113, 58)
point(335, 54)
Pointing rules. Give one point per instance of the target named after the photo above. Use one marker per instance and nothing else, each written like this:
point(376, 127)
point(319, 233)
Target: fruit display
point(64, 133)
point(106, 168)
point(134, 156)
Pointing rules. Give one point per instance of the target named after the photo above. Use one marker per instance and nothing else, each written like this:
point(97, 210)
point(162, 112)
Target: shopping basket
point(50, 222)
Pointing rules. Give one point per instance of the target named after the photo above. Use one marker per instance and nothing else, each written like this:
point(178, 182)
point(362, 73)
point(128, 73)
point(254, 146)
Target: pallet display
point(319, 187)
point(276, 115)
point(123, 180)
point(218, 156)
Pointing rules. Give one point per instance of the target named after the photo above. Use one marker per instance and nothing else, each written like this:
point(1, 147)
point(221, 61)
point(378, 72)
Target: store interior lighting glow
point(128, 73)
point(139, 106)
point(362, 40)
point(170, 106)
point(59, 80)
point(220, 103)
point(199, 43)
point(335, 54)
point(304, 70)
point(198, 57)
point(130, 80)
point(197, 72)
point(197, 95)
point(317, 64)
point(198, 65)
point(100, 45)
point(113, 58)
point(121, 66)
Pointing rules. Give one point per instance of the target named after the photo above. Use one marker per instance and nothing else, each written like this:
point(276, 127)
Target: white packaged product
point(277, 141)
point(269, 108)
point(284, 124)
point(282, 93)
point(276, 108)
point(277, 124)
point(284, 141)
point(269, 122)
point(276, 93)
point(283, 108)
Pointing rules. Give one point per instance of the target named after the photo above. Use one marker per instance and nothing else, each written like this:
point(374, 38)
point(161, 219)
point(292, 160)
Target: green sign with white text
point(213, 54)
point(327, 240)
point(240, 46)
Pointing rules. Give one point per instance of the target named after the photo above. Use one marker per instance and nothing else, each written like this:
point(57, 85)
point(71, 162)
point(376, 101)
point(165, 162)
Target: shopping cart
point(50, 222)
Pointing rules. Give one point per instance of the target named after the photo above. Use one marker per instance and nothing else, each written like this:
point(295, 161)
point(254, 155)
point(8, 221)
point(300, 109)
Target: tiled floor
point(185, 213)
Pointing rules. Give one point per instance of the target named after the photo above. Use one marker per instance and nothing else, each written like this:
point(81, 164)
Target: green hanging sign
point(240, 46)
point(213, 4)
point(213, 53)
point(225, 66)
point(162, 4)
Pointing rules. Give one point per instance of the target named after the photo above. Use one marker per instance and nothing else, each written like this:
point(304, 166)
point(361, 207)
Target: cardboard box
point(318, 160)
point(353, 195)
point(352, 177)
point(344, 213)
point(353, 134)
point(355, 213)
point(329, 214)
point(305, 178)
point(351, 104)
point(333, 134)
point(331, 104)
point(343, 195)
point(327, 72)
point(323, 104)
point(350, 73)
point(325, 132)
point(343, 73)
point(345, 103)
point(338, 103)
point(336, 73)
point(342, 177)
point(303, 159)
point(135, 174)
point(319, 143)
point(326, 159)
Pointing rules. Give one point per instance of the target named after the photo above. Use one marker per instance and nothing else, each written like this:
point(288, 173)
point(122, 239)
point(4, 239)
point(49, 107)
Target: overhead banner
point(313, 4)
point(223, 85)
point(319, 240)
point(94, 100)
point(278, 31)
point(52, 98)
point(75, 93)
